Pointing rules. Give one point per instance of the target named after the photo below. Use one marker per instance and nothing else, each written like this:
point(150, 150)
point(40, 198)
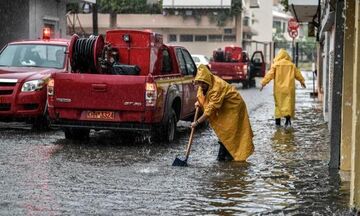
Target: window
point(228, 31)
point(188, 13)
point(190, 66)
point(257, 58)
point(215, 38)
point(33, 55)
point(172, 38)
point(246, 21)
point(181, 60)
point(167, 65)
point(230, 38)
point(186, 38)
point(200, 37)
point(284, 27)
point(277, 26)
point(186, 64)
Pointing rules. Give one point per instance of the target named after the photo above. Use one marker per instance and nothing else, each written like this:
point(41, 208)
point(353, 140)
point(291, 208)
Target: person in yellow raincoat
point(284, 73)
point(227, 114)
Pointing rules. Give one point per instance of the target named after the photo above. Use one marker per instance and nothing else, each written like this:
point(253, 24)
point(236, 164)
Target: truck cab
point(25, 68)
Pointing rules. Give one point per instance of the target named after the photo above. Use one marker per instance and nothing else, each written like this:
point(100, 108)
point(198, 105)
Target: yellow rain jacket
point(284, 73)
point(227, 114)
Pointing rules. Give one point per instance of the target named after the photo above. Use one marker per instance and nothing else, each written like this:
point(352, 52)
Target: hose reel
point(85, 54)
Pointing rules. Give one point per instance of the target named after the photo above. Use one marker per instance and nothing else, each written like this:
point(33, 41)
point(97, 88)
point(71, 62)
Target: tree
point(285, 3)
point(221, 17)
point(128, 6)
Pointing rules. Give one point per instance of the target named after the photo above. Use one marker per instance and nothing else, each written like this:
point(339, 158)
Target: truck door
point(257, 64)
point(188, 70)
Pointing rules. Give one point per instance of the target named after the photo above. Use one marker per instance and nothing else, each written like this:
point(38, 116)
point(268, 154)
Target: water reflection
point(226, 188)
point(283, 140)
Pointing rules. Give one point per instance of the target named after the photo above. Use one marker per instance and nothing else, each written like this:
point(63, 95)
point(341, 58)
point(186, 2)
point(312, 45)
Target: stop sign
point(293, 24)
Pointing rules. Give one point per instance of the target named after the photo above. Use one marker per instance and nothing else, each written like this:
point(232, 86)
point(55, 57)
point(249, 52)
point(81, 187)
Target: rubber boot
point(278, 122)
point(288, 121)
point(223, 154)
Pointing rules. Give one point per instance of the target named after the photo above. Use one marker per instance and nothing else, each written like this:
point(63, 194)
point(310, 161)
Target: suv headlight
point(32, 85)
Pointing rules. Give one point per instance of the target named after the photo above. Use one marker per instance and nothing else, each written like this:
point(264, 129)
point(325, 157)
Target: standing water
point(44, 174)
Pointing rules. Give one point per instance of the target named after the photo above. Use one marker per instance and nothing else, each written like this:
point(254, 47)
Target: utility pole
point(95, 19)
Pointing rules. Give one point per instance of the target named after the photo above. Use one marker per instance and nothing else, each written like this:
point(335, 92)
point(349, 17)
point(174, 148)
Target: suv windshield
point(33, 55)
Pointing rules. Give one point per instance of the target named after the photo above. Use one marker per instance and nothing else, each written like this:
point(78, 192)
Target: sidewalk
point(288, 173)
point(294, 163)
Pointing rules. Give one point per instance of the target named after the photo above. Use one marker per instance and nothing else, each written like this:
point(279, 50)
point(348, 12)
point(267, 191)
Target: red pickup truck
point(233, 65)
point(129, 81)
point(25, 68)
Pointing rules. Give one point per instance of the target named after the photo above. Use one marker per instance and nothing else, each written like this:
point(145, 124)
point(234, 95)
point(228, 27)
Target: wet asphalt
point(42, 173)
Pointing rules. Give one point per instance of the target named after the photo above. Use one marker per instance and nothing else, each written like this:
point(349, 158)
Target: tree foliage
point(222, 16)
point(128, 6)
point(140, 6)
point(285, 3)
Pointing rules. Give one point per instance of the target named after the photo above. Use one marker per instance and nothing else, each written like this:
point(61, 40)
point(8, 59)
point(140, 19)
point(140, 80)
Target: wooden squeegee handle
point(191, 135)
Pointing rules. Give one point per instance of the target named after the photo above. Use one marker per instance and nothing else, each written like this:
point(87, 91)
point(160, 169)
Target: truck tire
point(76, 133)
point(252, 83)
point(245, 84)
point(170, 127)
point(41, 123)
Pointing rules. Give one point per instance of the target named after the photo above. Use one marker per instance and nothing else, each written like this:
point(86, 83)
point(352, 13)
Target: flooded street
point(44, 174)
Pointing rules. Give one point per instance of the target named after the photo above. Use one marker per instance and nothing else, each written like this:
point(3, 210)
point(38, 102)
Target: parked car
point(130, 81)
point(25, 68)
point(200, 59)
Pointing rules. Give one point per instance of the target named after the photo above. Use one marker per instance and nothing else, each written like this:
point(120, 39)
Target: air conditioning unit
point(254, 4)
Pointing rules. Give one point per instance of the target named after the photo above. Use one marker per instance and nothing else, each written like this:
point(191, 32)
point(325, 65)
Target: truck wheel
point(245, 84)
point(76, 133)
point(170, 127)
point(252, 83)
point(41, 123)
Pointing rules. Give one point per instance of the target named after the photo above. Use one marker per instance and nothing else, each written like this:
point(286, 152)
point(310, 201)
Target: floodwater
point(44, 174)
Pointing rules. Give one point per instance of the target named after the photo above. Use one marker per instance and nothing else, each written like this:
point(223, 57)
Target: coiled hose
point(83, 55)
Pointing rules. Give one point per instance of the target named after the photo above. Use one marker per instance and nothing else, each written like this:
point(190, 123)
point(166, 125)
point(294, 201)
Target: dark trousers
point(224, 154)
point(287, 122)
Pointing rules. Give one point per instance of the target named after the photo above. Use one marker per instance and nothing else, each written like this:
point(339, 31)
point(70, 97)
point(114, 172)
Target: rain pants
point(284, 73)
point(227, 114)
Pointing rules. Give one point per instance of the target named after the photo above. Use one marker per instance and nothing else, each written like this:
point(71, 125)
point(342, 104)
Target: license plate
point(100, 115)
point(226, 77)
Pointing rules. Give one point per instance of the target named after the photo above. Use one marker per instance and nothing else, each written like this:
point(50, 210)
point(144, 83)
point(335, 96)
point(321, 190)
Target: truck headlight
point(32, 85)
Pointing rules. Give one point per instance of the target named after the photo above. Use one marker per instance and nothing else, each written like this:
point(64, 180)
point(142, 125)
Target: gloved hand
point(197, 104)
point(262, 86)
point(194, 124)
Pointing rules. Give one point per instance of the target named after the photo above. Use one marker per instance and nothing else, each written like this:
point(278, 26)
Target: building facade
point(192, 24)
point(25, 19)
point(257, 21)
point(338, 35)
